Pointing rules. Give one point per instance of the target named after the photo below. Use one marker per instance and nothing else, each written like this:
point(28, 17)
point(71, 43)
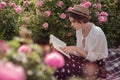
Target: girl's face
point(75, 24)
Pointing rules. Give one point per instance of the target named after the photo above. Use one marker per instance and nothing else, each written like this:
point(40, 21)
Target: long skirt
point(73, 68)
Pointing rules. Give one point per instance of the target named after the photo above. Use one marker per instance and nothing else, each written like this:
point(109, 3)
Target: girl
point(87, 57)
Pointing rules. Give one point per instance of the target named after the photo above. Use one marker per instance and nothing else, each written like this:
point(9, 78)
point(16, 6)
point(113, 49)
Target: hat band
point(80, 12)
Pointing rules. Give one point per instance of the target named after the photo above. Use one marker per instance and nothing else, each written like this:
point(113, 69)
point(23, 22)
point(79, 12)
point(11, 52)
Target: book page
point(57, 43)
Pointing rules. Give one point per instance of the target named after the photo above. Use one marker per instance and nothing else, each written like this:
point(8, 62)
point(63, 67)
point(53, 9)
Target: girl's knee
point(90, 69)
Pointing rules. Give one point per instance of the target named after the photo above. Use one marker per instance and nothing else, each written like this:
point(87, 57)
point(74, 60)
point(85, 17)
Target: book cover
point(57, 43)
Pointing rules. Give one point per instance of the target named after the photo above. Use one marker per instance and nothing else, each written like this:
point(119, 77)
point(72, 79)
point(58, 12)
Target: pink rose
point(102, 19)
point(83, 1)
point(12, 5)
point(70, 8)
point(63, 16)
point(10, 71)
point(69, 34)
point(82, 4)
point(24, 49)
point(25, 3)
point(98, 5)
point(18, 9)
point(87, 4)
point(45, 25)
point(104, 13)
point(37, 12)
point(39, 3)
point(60, 3)
point(3, 47)
point(1, 7)
point(55, 60)
point(48, 13)
point(3, 4)
point(97, 13)
point(115, 1)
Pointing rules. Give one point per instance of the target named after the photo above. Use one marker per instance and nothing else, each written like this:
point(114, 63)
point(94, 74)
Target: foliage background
point(8, 23)
point(32, 62)
point(57, 26)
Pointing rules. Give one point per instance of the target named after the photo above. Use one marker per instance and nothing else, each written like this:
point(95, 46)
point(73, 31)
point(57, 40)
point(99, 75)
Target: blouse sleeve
point(99, 49)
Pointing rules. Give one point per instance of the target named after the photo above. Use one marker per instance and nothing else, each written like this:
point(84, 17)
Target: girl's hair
point(78, 18)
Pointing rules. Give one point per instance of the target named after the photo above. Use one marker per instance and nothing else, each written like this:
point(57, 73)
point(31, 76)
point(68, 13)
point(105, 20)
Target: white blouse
point(95, 43)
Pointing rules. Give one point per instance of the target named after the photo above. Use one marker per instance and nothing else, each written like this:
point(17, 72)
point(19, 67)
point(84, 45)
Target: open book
point(57, 43)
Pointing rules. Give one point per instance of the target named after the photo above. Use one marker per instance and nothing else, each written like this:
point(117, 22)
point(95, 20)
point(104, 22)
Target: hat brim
point(78, 13)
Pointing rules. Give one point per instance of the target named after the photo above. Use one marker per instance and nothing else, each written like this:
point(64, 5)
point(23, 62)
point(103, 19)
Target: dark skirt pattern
point(73, 68)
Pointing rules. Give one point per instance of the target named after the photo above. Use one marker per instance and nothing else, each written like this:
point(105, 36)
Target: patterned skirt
point(73, 68)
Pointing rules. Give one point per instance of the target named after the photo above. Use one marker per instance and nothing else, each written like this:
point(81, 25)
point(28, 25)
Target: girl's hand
point(69, 49)
point(52, 48)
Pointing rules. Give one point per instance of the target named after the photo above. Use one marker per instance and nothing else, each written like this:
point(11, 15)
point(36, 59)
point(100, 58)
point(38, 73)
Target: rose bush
point(103, 14)
point(21, 59)
point(10, 71)
point(46, 17)
point(8, 21)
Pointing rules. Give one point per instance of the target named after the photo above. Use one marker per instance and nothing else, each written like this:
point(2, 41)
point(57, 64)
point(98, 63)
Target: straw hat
point(80, 10)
